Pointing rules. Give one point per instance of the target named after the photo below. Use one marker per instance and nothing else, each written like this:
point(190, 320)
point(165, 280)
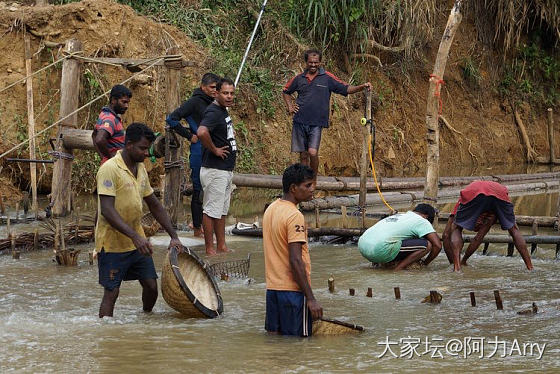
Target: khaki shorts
point(216, 188)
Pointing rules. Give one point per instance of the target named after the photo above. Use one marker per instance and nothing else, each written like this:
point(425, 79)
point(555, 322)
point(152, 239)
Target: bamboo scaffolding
point(334, 183)
point(329, 202)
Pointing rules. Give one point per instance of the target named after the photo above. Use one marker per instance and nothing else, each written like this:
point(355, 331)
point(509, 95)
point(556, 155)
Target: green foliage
point(534, 75)
point(471, 72)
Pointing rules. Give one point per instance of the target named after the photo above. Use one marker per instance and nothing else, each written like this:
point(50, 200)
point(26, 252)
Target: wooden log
point(352, 291)
point(331, 183)
point(331, 284)
point(330, 202)
point(473, 299)
point(77, 138)
point(364, 160)
point(69, 93)
point(173, 171)
point(369, 292)
point(551, 144)
point(31, 126)
point(397, 293)
point(498, 298)
point(531, 155)
point(433, 106)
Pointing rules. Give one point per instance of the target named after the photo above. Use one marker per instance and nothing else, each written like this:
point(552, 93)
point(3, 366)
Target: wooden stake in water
point(331, 284)
point(77, 231)
point(534, 231)
point(498, 298)
point(510, 250)
point(17, 211)
point(352, 291)
point(8, 229)
point(344, 216)
point(2, 209)
point(397, 293)
point(473, 298)
point(36, 240)
point(363, 218)
point(369, 292)
point(317, 218)
point(90, 258)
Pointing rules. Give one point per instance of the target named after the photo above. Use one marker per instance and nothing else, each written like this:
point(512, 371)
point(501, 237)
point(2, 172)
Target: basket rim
point(174, 262)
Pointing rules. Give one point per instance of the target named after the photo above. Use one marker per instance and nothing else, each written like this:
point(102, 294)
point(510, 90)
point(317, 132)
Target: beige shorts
point(216, 188)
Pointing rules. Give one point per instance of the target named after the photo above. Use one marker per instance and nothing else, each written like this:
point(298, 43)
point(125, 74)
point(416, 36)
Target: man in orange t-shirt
point(290, 304)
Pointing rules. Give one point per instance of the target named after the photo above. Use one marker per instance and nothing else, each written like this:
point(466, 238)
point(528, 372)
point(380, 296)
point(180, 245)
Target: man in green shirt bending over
point(403, 238)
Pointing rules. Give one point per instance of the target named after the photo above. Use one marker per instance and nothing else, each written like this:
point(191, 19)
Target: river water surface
point(49, 323)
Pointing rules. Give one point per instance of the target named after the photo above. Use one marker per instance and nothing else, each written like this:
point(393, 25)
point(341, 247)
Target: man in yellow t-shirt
point(124, 253)
point(290, 304)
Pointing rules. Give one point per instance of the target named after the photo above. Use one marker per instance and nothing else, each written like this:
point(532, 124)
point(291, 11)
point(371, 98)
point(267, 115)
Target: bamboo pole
point(364, 164)
point(433, 108)
point(173, 171)
point(551, 143)
point(69, 93)
point(31, 126)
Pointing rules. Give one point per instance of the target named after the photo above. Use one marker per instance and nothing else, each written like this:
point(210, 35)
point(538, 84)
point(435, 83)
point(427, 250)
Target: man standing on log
point(108, 135)
point(480, 205)
point(403, 238)
point(124, 253)
point(217, 136)
point(311, 108)
point(290, 304)
point(192, 111)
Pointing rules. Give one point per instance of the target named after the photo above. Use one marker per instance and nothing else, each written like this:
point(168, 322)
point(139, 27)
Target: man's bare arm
point(361, 87)
point(290, 105)
point(436, 247)
point(100, 140)
point(300, 276)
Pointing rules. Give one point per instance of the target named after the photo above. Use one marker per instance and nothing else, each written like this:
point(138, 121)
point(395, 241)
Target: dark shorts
point(409, 246)
point(287, 313)
point(123, 266)
point(305, 137)
point(468, 213)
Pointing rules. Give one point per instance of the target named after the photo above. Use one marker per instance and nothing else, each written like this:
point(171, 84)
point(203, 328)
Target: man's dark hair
point(223, 81)
point(119, 91)
point(136, 131)
point(426, 209)
point(296, 174)
point(310, 52)
point(209, 78)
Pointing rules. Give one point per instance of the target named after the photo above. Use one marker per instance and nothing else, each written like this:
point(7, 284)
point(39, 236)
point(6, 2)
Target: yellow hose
point(375, 176)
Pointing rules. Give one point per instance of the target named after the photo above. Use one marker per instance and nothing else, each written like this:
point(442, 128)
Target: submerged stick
point(369, 292)
point(498, 298)
point(397, 293)
point(473, 299)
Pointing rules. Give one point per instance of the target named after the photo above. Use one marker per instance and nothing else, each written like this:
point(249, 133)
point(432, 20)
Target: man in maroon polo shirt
point(480, 205)
point(311, 108)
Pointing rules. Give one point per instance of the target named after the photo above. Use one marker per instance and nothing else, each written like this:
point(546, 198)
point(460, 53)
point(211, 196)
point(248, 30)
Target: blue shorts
point(115, 267)
point(468, 213)
point(409, 246)
point(287, 313)
point(305, 137)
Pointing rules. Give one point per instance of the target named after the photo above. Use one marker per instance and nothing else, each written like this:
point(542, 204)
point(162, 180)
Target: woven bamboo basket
point(150, 225)
point(188, 287)
point(333, 327)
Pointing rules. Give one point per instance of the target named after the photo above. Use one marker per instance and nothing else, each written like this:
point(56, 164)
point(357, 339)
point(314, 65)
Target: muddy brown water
point(49, 323)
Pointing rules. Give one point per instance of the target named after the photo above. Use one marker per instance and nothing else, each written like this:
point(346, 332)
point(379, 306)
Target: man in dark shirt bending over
point(192, 111)
point(217, 136)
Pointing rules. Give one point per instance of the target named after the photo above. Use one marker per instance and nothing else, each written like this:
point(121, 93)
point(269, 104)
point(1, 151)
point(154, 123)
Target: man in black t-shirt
point(217, 136)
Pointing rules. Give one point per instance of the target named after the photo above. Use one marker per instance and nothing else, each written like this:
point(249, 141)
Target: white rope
point(76, 111)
